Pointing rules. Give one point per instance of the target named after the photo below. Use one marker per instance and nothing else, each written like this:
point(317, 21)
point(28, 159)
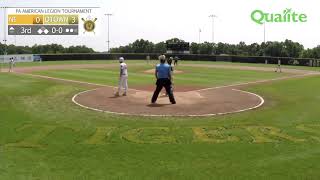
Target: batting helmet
point(121, 59)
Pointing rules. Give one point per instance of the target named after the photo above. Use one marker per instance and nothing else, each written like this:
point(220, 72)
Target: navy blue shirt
point(163, 71)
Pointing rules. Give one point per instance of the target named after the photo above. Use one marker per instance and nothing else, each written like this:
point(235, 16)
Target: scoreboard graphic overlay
point(53, 21)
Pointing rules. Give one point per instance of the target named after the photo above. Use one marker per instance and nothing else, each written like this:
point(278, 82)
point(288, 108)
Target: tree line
point(44, 49)
point(286, 48)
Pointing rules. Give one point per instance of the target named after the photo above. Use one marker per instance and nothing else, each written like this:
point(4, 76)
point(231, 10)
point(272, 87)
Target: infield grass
point(43, 135)
point(200, 76)
point(153, 62)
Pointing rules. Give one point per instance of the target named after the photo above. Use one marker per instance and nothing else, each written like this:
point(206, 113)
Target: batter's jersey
point(124, 69)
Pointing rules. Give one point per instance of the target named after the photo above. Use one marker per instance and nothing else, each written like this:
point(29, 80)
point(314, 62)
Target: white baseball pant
point(123, 84)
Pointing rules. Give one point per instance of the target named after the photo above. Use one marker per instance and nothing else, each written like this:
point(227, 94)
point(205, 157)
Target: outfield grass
point(44, 136)
point(252, 65)
point(28, 64)
point(191, 76)
point(48, 63)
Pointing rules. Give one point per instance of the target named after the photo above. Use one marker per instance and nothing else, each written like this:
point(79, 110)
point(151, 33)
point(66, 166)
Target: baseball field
point(61, 121)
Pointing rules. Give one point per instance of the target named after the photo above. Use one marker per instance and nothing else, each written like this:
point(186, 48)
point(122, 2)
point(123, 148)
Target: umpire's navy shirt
point(163, 71)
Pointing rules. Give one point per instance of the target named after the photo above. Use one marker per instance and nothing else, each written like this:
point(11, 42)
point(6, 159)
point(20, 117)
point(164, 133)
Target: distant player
point(123, 78)
point(148, 59)
point(11, 64)
point(278, 67)
point(163, 75)
point(169, 61)
point(176, 59)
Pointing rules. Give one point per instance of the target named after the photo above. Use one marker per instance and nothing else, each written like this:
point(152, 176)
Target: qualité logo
point(287, 16)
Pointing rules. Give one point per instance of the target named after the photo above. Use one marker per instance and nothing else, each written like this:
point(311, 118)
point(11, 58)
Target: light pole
point(199, 36)
point(199, 41)
point(108, 41)
point(213, 17)
point(264, 41)
point(264, 32)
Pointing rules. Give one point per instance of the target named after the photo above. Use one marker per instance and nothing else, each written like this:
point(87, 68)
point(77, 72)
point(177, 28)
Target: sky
point(157, 21)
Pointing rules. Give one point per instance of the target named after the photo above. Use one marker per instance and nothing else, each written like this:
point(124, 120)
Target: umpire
point(163, 75)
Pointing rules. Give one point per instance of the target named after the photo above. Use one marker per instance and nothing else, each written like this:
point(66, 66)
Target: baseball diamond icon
point(43, 30)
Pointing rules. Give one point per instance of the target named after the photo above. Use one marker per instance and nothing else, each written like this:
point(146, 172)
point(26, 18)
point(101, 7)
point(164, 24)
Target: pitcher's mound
point(193, 103)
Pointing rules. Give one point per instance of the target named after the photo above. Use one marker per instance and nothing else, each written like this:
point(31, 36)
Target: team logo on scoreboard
point(89, 24)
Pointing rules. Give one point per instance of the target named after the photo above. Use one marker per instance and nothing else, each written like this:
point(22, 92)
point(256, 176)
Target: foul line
point(262, 101)
point(200, 90)
point(68, 80)
point(257, 82)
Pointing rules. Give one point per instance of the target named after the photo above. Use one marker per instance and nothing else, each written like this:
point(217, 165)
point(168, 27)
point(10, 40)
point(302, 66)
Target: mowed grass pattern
point(48, 63)
point(43, 135)
point(200, 77)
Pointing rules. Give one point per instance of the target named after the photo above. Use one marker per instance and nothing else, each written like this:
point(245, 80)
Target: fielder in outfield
point(11, 64)
point(278, 69)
